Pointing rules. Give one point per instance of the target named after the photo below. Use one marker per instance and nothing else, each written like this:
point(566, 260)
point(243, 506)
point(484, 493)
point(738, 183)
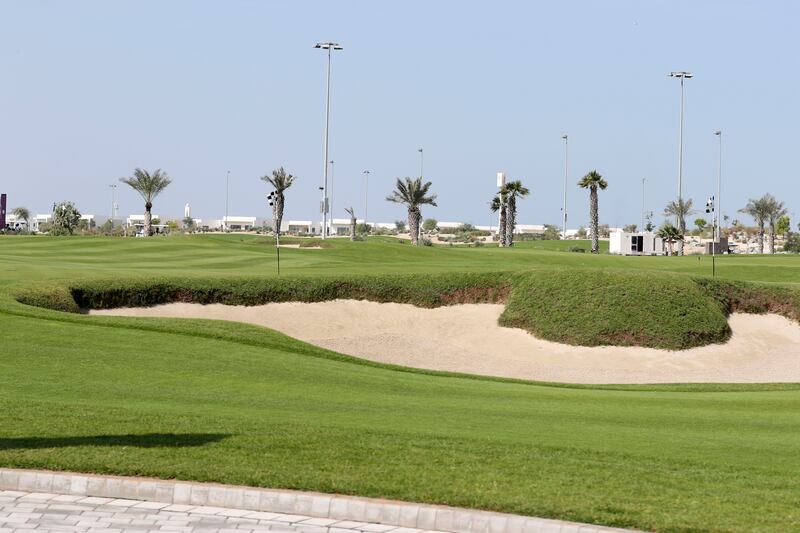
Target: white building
point(300, 226)
point(622, 243)
point(38, 220)
point(187, 211)
point(341, 226)
point(238, 223)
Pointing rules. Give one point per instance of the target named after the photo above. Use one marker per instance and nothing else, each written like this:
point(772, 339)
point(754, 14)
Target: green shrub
point(578, 249)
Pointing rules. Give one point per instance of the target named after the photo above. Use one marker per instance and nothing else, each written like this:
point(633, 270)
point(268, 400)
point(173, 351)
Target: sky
point(90, 90)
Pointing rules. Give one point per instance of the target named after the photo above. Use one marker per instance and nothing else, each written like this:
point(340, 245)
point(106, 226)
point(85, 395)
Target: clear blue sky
point(91, 89)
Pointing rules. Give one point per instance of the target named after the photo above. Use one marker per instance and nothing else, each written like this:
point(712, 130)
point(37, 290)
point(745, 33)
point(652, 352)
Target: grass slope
point(235, 403)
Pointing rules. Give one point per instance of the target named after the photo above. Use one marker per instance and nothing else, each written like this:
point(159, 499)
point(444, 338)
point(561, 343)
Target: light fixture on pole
point(324, 206)
point(710, 209)
point(113, 203)
point(421, 162)
point(718, 133)
point(566, 167)
point(366, 196)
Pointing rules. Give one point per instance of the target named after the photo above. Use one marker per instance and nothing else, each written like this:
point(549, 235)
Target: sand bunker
point(467, 338)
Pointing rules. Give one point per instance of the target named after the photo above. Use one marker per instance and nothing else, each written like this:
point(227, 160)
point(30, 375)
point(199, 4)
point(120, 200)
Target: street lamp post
point(366, 196)
point(113, 203)
point(718, 133)
point(227, 187)
point(682, 76)
point(329, 47)
point(643, 209)
point(331, 198)
point(566, 171)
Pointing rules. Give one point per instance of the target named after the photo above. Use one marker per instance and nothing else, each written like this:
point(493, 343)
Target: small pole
point(278, 250)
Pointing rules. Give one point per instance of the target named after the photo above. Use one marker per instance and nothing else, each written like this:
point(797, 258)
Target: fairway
point(237, 403)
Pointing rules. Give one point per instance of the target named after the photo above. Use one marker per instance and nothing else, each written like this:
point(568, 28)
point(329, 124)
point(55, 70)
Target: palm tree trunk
point(511, 219)
point(148, 219)
point(352, 228)
point(761, 238)
point(771, 242)
point(594, 219)
point(501, 230)
point(682, 230)
point(277, 215)
point(413, 224)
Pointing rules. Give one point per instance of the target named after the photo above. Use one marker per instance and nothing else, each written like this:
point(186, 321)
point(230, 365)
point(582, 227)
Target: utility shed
point(623, 243)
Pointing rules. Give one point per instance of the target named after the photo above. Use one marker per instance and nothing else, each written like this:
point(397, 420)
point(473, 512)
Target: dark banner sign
point(2, 211)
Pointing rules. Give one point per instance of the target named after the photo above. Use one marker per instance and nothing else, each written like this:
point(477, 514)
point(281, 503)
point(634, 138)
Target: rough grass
point(590, 308)
point(578, 306)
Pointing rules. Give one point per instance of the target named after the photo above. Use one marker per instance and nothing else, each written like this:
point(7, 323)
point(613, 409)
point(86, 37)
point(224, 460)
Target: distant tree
point(363, 229)
point(24, 214)
point(400, 226)
point(680, 209)
point(65, 218)
point(148, 186)
point(604, 231)
point(792, 244)
point(172, 225)
point(413, 193)
point(352, 214)
point(775, 210)
point(188, 223)
point(514, 190)
point(670, 235)
point(429, 224)
point(551, 232)
point(630, 228)
point(581, 234)
point(758, 209)
point(784, 225)
point(593, 181)
point(701, 223)
point(280, 180)
point(498, 204)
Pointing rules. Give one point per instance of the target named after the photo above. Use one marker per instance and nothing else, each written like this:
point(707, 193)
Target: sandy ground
point(467, 338)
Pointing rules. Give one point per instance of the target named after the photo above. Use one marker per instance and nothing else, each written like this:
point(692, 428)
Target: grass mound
point(593, 307)
point(575, 306)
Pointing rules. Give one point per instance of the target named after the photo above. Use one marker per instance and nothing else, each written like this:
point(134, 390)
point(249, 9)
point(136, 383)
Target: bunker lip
point(467, 338)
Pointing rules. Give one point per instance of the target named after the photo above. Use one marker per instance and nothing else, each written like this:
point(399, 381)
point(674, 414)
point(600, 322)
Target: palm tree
point(593, 181)
point(498, 203)
point(24, 214)
point(352, 222)
point(775, 209)
point(680, 209)
point(281, 181)
point(413, 193)
point(669, 234)
point(758, 209)
point(514, 190)
point(148, 186)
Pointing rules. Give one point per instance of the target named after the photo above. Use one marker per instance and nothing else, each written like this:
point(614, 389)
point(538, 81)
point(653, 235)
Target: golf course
point(226, 401)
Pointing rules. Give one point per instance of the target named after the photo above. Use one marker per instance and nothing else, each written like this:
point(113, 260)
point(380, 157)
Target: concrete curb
point(318, 505)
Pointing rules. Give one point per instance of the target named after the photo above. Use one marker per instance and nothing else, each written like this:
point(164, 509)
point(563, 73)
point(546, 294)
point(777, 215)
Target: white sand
point(467, 338)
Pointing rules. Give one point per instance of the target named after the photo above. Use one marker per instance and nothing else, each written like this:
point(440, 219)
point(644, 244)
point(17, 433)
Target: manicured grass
point(242, 404)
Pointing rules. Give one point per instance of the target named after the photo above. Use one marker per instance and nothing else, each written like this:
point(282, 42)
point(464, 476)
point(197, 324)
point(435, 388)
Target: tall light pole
point(718, 133)
point(227, 187)
point(681, 75)
point(643, 208)
point(566, 171)
point(366, 195)
point(421, 162)
point(331, 196)
point(113, 190)
point(329, 47)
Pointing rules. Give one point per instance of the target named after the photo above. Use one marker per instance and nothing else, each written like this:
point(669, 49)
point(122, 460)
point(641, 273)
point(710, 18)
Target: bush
point(577, 249)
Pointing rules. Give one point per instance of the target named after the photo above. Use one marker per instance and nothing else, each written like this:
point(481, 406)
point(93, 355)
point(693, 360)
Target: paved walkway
point(40, 511)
